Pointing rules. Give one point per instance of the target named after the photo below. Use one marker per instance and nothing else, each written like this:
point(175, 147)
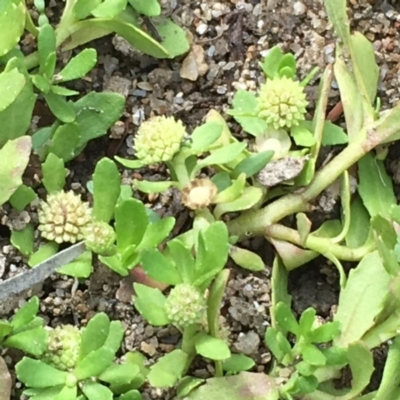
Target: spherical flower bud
point(282, 102)
point(185, 305)
point(63, 347)
point(199, 194)
point(159, 139)
point(63, 216)
point(100, 238)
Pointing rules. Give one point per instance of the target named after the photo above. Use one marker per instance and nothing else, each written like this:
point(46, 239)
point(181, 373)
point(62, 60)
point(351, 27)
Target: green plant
point(79, 364)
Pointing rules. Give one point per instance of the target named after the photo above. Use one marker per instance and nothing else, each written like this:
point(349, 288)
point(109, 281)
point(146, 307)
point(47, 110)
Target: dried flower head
point(199, 194)
point(282, 102)
point(100, 238)
point(63, 347)
point(63, 217)
point(185, 305)
point(159, 139)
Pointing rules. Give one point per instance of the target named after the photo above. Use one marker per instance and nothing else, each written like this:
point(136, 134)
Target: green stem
point(178, 168)
point(391, 374)
point(320, 245)
point(188, 346)
point(254, 223)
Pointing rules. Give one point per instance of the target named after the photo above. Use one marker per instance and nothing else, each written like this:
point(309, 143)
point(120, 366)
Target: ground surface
point(229, 39)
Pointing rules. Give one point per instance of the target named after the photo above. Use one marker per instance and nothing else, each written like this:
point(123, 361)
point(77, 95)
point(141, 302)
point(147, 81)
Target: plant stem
point(188, 344)
point(320, 245)
point(255, 223)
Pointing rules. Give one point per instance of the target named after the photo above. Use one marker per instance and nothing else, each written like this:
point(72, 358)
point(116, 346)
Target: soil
point(233, 35)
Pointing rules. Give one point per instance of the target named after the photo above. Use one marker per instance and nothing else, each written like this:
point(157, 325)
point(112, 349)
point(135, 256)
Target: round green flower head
point(185, 305)
point(100, 238)
point(282, 102)
point(63, 217)
point(159, 139)
point(63, 347)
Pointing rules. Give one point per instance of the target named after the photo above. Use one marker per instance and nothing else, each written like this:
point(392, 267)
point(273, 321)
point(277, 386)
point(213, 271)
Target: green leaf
point(156, 232)
point(184, 260)
point(32, 341)
point(78, 66)
point(244, 104)
point(368, 283)
point(131, 222)
point(375, 187)
point(106, 189)
point(95, 391)
point(174, 40)
point(94, 335)
point(211, 347)
point(81, 267)
point(253, 125)
point(158, 267)
point(270, 64)
point(287, 65)
point(65, 141)
point(43, 253)
point(23, 196)
point(150, 8)
point(115, 336)
point(47, 49)
point(26, 313)
point(62, 91)
point(97, 112)
point(238, 363)
point(359, 224)
point(41, 83)
point(204, 137)
point(150, 302)
point(325, 333)
point(119, 374)
point(246, 259)
point(211, 252)
point(5, 328)
point(168, 369)
point(131, 395)
point(62, 109)
point(253, 164)
point(285, 319)
point(11, 85)
point(54, 174)
point(223, 155)
point(83, 8)
point(250, 197)
point(302, 136)
point(232, 192)
point(37, 374)
point(12, 23)
point(277, 343)
point(14, 158)
point(109, 8)
point(312, 355)
point(333, 135)
point(94, 363)
point(307, 320)
point(115, 264)
point(337, 14)
point(23, 240)
point(147, 186)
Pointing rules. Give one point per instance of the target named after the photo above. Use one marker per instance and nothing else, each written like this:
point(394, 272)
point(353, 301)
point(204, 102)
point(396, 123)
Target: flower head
point(185, 305)
point(63, 217)
point(63, 347)
point(282, 102)
point(159, 139)
point(100, 238)
point(199, 194)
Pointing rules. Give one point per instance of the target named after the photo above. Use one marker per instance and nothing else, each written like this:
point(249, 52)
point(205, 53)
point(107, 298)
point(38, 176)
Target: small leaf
point(168, 369)
point(312, 355)
point(23, 240)
point(253, 125)
point(211, 347)
point(83, 8)
point(37, 374)
point(246, 259)
point(285, 319)
point(12, 23)
point(232, 192)
point(26, 313)
point(47, 49)
point(184, 260)
point(204, 136)
point(151, 304)
point(109, 8)
point(244, 104)
point(238, 363)
point(150, 8)
point(119, 374)
point(81, 267)
point(78, 66)
point(54, 174)
point(325, 333)
point(375, 186)
point(32, 341)
point(106, 189)
point(150, 187)
point(94, 363)
point(302, 136)
point(11, 85)
point(95, 391)
point(223, 155)
point(43, 253)
point(23, 196)
point(65, 141)
point(271, 62)
point(287, 65)
point(94, 335)
point(333, 135)
point(307, 320)
point(62, 91)
point(14, 158)
point(156, 232)
point(253, 164)
point(62, 109)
